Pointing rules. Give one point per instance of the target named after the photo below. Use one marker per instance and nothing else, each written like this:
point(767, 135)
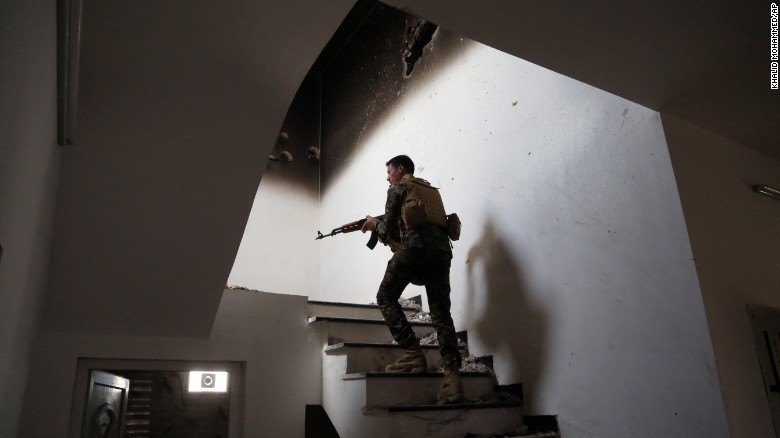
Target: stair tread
point(342, 345)
point(354, 305)
point(450, 407)
point(385, 374)
point(314, 319)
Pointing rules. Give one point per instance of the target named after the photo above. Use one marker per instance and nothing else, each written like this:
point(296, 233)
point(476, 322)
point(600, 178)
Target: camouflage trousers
point(431, 268)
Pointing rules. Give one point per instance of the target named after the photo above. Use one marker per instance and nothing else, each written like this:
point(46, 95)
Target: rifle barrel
point(346, 228)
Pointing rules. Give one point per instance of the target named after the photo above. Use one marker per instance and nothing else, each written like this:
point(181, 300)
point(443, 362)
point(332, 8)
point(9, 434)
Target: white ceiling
point(181, 102)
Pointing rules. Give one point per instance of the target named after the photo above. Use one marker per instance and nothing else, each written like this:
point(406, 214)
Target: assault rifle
point(350, 227)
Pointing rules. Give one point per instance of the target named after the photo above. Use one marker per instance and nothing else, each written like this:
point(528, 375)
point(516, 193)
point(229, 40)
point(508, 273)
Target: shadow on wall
point(509, 325)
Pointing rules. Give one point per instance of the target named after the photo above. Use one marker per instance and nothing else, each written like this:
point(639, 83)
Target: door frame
point(765, 322)
point(86, 365)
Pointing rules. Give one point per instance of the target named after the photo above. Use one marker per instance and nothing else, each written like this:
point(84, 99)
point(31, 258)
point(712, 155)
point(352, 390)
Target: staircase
point(362, 400)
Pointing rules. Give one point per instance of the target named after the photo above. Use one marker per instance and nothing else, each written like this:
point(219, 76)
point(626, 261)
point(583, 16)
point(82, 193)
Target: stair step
point(347, 310)
point(455, 420)
point(362, 330)
point(345, 401)
point(362, 357)
point(454, 407)
point(361, 399)
point(385, 389)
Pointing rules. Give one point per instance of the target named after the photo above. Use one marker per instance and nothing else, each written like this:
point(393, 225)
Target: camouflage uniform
point(424, 255)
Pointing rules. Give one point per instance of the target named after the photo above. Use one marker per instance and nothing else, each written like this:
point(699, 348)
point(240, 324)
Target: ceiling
point(180, 103)
point(704, 61)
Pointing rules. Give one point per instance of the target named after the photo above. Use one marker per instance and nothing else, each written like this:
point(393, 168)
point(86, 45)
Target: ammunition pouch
point(453, 226)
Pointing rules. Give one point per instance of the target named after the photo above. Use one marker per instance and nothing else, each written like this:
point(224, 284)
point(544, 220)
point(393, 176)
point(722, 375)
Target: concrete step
point(388, 390)
point(362, 330)
point(480, 419)
point(356, 412)
point(347, 310)
point(364, 401)
point(363, 357)
point(492, 419)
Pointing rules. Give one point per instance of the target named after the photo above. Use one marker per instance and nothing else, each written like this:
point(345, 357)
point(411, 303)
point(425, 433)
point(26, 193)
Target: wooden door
point(104, 411)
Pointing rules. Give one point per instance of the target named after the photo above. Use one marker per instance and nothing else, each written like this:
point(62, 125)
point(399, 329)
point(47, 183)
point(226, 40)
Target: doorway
point(174, 399)
point(766, 330)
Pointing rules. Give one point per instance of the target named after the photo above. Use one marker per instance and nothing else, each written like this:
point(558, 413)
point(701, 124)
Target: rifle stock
point(350, 227)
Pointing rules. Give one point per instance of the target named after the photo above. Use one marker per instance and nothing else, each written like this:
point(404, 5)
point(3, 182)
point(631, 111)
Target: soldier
point(415, 227)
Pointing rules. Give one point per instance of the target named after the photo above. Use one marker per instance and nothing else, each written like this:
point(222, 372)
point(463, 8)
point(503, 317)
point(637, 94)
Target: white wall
point(735, 240)
point(574, 269)
point(29, 163)
point(266, 331)
point(278, 252)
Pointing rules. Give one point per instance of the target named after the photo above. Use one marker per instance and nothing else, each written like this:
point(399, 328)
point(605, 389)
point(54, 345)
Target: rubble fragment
point(234, 287)
point(472, 364)
point(406, 303)
point(420, 317)
point(433, 339)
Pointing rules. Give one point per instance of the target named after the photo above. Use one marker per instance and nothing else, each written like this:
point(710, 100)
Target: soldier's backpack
point(423, 205)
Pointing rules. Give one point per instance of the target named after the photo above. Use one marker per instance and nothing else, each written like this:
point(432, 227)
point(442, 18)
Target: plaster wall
point(574, 268)
point(734, 238)
point(278, 252)
point(267, 332)
point(29, 163)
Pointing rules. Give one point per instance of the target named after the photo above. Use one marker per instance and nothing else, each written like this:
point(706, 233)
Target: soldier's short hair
point(402, 160)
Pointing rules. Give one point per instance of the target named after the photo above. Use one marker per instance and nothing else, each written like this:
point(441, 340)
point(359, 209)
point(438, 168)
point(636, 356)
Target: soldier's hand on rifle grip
point(370, 224)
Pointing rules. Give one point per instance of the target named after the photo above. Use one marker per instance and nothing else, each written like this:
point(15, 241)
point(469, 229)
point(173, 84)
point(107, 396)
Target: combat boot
point(452, 389)
point(413, 360)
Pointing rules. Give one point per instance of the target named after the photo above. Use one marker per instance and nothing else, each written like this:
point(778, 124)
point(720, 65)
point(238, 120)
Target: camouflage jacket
point(393, 232)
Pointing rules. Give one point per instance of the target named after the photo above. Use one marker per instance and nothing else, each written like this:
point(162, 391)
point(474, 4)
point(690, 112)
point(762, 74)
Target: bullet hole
point(314, 153)
point(418, 33)
point(284, 156)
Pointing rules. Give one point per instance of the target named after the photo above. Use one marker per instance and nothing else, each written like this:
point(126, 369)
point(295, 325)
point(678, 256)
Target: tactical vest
point(423, 204)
